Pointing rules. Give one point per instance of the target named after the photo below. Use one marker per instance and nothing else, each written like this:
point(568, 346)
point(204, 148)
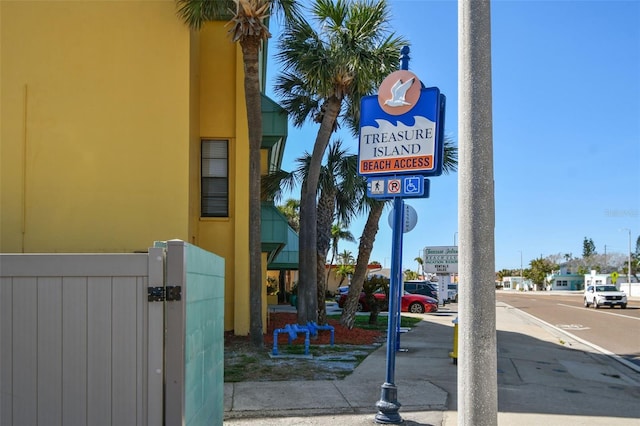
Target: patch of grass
point(360, 358)
point(237, 371)
point(362, 321)
point(324, 350)
point(294, 349)
point(243, 362)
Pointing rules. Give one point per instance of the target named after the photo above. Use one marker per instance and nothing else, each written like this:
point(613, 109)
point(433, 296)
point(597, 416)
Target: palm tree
point(420, 263)
point(346, 258)
point(328, 69)
point(339, 232)
point(345, 266)
point(343, 271)
point(503, 273)
point(410, 275)
point(291, 210)
point(375, 207)
point(350, 307)
point(338, 194)
point(249, 28)
point(340, 188)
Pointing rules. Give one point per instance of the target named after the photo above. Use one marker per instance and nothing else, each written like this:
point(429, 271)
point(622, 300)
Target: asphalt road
point(613, 329)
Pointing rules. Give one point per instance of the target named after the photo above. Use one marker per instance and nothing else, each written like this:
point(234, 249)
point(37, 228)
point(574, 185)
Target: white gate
point(82, 343)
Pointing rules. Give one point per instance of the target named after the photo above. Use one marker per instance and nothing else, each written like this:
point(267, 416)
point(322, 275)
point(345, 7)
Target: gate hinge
point(162, 294)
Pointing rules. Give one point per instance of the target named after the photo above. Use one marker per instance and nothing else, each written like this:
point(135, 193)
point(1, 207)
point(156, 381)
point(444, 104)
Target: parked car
point(604, 295)
point(425, 288)
point(452, 293)
point(418, 303)
point(363, 305)
point(414, 303)
point(341, 290)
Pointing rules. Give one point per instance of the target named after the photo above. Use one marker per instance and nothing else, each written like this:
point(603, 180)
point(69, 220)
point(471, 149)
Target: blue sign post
point(388, 405)
point(401, 142)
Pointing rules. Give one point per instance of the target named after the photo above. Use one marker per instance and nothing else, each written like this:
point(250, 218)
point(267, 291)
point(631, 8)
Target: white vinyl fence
point(83, 341)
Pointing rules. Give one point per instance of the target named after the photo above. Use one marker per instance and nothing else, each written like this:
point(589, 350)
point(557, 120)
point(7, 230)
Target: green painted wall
point(204, 338)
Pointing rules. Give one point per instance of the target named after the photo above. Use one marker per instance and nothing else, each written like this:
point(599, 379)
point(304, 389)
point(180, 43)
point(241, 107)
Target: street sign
point(410, 218)
point(397, 186)
point(441, 259)
point(401, 129)
point(401, 132)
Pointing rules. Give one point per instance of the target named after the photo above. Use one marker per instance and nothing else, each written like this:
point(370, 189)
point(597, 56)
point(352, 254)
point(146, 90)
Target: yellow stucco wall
point(104, 104)
point(95, 125)
point(223, 115)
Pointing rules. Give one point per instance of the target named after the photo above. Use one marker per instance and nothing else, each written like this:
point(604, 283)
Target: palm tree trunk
point(364, 253)
point(250, 48)
point(326, 206)
point(308, 278)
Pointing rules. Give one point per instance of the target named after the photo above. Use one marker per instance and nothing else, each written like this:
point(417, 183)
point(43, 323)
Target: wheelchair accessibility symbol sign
point(398, 186)
point(412, 185)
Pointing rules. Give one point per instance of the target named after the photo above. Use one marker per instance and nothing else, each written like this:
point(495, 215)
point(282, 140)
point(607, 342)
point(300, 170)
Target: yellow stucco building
point(121, 127)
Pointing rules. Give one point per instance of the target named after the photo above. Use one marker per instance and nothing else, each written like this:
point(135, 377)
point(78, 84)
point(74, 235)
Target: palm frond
point(196, 12)
point(450, 157)
point(275, 184)
point(345, 53)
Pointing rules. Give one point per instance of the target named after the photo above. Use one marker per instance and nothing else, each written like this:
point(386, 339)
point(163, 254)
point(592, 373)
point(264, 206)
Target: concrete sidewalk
point(545, 376)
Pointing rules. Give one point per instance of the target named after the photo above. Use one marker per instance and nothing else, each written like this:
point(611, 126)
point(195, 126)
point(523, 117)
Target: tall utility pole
point(521, 271)
point(477, 357)
point(629, 268)
point(629, 265)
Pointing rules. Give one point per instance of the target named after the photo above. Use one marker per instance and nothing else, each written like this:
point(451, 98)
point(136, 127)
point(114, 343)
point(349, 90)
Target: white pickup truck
point(604, 295)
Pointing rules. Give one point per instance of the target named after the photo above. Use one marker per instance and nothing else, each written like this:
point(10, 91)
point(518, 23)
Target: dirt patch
point(243, 362)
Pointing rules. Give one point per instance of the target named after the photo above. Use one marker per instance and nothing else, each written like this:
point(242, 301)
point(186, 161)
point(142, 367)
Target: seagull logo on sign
point(398, 92)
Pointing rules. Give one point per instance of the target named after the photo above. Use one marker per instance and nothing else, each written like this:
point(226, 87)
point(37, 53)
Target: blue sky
point(566, 127)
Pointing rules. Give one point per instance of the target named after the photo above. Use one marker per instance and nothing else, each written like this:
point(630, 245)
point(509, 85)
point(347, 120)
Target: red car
point(414, 303)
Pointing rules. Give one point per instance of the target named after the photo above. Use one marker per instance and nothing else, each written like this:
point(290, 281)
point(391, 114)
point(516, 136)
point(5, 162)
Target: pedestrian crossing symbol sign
point(377, 186)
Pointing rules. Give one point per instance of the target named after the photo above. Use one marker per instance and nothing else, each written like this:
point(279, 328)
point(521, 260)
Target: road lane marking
point(599, 311)
point(572, 327)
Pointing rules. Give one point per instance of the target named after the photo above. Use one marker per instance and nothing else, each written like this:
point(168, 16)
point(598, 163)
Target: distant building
point(564, 279)
point(597, 279)
point(614, 278)
point(517, 283)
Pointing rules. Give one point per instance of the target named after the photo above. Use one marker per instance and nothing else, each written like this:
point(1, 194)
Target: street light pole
point(521, 271)
point(628, 260)
point(629, 265)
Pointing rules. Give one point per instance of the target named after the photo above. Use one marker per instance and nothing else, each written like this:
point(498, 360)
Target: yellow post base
point(454, 353)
